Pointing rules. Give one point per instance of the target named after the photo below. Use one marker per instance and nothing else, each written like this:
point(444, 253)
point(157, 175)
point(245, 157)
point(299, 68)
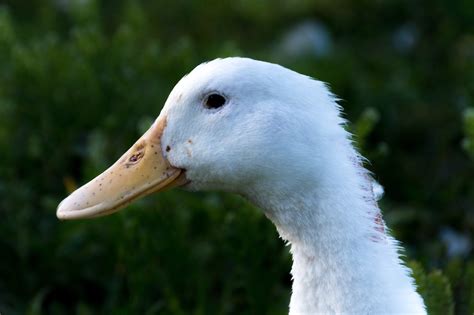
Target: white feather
point(280, 142)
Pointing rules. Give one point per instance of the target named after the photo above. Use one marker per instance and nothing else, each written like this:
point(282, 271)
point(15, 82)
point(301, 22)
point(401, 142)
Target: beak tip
point(65, 211)
point(60, 216)
point(61, 213)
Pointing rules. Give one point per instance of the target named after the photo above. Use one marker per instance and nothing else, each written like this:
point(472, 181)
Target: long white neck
point(341, 268)
point(343, 260)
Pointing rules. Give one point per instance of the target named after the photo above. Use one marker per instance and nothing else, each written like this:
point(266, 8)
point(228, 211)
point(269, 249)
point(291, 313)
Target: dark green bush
point(81, 80)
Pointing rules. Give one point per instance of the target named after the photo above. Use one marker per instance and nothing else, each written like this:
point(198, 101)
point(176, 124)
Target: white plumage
point(279, 141)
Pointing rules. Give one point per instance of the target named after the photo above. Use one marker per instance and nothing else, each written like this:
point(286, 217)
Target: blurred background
point(80, 80)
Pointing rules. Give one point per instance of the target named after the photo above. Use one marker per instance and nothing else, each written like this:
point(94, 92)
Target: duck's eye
point(214, 101)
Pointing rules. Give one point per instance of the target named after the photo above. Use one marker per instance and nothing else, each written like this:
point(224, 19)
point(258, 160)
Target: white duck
point(276, 137)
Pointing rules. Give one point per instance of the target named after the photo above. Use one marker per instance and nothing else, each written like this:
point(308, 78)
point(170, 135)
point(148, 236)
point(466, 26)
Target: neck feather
point(343, 260)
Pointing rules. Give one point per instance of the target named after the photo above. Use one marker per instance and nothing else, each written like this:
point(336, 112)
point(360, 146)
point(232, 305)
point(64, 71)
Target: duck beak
point(142, 170)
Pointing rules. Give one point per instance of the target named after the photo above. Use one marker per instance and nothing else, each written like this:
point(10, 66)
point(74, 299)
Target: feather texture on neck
point(344, 261)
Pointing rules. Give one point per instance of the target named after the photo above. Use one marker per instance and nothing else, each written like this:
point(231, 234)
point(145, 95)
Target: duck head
point(233, 124)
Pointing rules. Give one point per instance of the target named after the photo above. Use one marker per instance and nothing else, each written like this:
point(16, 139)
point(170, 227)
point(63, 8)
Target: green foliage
point(365, 125)
point(435, 289)
point(81, 80)
point(468, 142)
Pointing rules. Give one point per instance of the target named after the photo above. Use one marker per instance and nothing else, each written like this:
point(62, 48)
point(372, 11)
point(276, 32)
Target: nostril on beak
point(136, 157)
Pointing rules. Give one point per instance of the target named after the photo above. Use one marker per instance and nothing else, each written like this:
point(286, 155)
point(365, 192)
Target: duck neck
point(343, 261)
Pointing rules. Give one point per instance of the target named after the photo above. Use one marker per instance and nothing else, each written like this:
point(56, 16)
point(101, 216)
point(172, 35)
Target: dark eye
point(214, 101)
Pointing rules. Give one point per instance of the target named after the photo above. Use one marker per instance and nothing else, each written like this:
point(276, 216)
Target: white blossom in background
point(306, 38)
point(405, 37)
point(457, 244)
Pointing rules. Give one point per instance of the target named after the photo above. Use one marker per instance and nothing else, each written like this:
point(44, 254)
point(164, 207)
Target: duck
point(277, 138)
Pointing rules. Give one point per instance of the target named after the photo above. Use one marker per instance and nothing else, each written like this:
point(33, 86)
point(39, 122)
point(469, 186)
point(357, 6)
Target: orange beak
point(142, 170)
